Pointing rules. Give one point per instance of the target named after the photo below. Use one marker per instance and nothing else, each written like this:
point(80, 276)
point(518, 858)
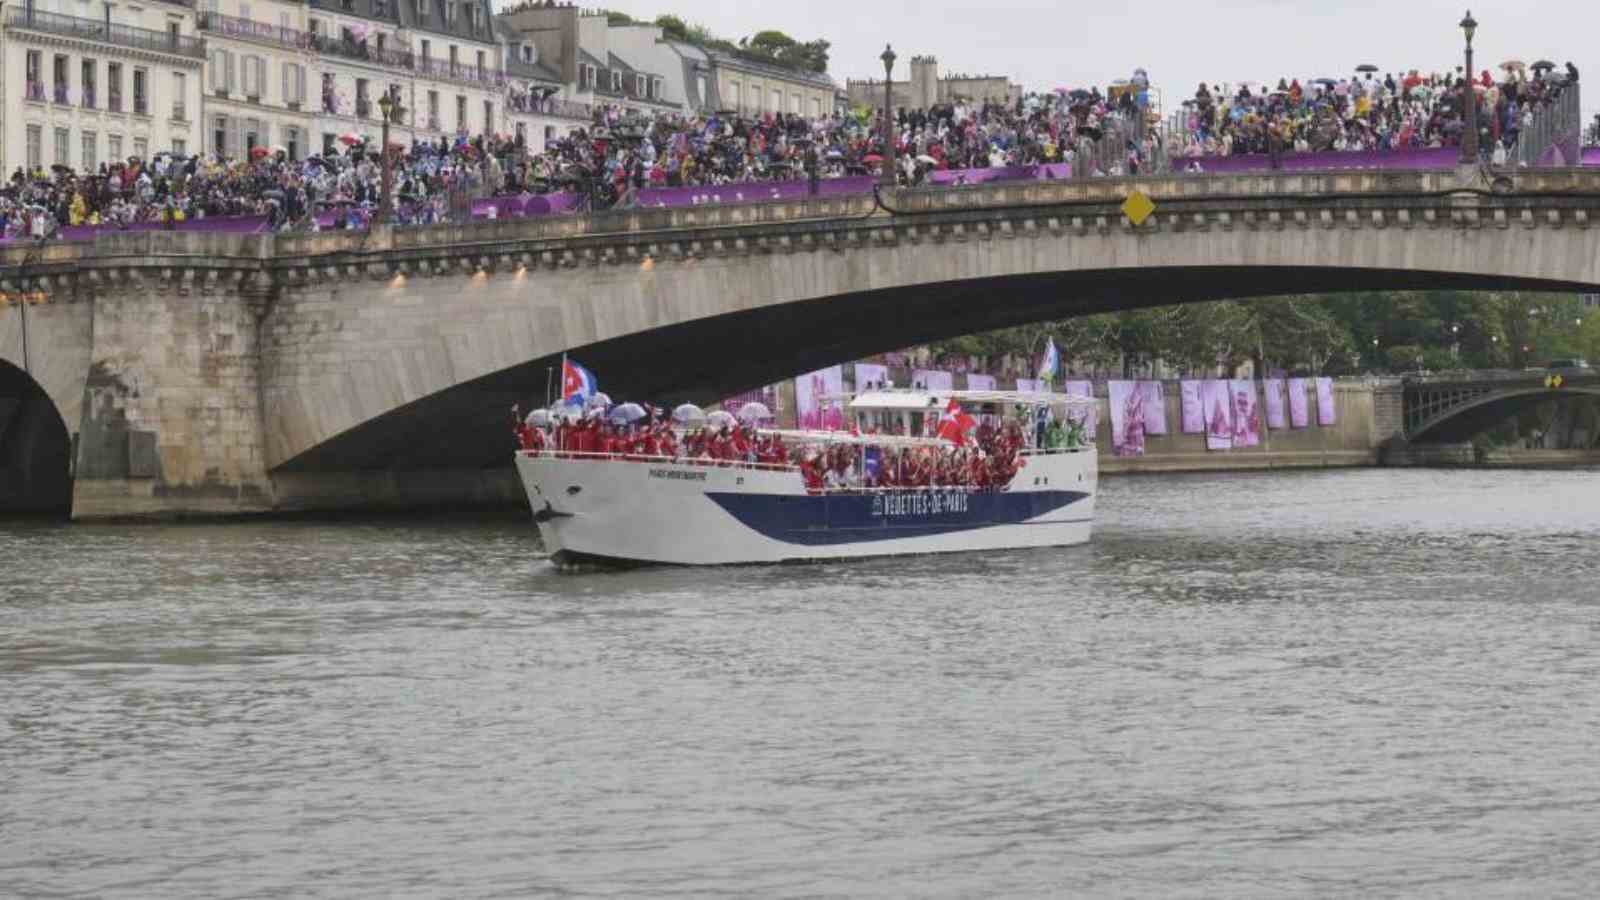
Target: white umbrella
point(754, 412)
point(537, 419)
point(688, 414)
point(720, 419)
point(627, 413)
point(599, 400)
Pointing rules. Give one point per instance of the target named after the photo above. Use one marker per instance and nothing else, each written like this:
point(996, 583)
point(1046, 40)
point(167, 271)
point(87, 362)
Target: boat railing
point(705, 461)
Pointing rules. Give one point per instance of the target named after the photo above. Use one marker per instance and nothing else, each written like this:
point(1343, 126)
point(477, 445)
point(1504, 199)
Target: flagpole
point(549, 374)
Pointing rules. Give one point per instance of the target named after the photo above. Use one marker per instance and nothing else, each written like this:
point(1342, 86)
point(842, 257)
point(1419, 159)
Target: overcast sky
point(1049, 43)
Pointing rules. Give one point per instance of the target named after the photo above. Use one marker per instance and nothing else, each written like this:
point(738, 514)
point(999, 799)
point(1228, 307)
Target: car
point(1568, 365)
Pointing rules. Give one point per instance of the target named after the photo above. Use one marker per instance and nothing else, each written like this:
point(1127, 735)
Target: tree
point(769, 43)
point(673, 27)
point(617, 18)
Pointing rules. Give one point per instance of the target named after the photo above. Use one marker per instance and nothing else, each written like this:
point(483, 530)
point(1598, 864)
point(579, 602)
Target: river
point(1369, 682)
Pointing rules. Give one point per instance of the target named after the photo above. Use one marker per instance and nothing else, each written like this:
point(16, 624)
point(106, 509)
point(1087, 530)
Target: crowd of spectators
point(618, 154)
point(1402, 111)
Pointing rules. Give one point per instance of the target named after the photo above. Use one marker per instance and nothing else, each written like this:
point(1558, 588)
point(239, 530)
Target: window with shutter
point(217, 67)
point(232, 74)
point(261, 76)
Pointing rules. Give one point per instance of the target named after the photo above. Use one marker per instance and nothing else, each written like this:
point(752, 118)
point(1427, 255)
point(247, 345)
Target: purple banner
point(1299, 417)
point(1274, 391)
point(752, 192)
point(1590, 156)
point(977, 382)
point(1326, 414)
point(1089, 416)
point(1002, 173)
point(933, 380)
point(1155, 407)
point(1218, 406)
point(220, 225)
point(1193, 412)
point(1032, 385)
point(1246, 413)
point(1126, 399)
point(871, 375)
point(812, 412)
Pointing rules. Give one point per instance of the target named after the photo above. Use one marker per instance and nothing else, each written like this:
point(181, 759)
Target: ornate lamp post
point(391, 110)
point(1469, 138)
point(887, 176)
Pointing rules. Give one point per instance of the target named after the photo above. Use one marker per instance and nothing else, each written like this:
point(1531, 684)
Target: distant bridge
point(200, 373)
point(1453, 407)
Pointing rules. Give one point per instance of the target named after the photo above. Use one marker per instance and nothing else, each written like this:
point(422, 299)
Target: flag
point(954, 424)
point(577, 383)
point(1051, 361)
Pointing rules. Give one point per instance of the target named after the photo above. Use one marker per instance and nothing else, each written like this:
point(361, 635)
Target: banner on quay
point(980, 382)
point(1246, 413)
point(1218, 406)
point(768, 396)
point(1031, 385)
point(1126, 399)
point(1273, 387)
point(812, 412)
point(1155, 407)
point(1088, 415)
point(1299, 417)
point(1193, 412)
point(1326, 414)
point(871, 375)
point(933, 379)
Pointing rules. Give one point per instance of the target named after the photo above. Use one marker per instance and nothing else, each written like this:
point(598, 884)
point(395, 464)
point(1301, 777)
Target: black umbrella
point(1543, 64)
point(1366, 67)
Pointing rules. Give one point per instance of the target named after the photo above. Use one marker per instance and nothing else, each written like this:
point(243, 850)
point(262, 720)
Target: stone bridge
point(201, 373)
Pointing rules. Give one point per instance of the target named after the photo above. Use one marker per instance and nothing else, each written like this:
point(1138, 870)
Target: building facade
point(85, 85)
point(256, 78)
point(926, 88)
point(754, 88)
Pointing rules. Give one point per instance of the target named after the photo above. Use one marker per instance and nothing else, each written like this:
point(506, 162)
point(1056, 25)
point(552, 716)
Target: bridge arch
point(1460, 423)
point(35, 448)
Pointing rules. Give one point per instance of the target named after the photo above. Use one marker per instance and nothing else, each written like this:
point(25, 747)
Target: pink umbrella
point(350, 139)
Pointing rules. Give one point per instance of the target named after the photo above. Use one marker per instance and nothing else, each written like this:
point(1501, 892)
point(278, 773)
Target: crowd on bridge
point(1399, 111)
point(619, 154)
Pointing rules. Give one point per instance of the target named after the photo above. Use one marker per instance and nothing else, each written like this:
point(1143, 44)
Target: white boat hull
point(674, 512)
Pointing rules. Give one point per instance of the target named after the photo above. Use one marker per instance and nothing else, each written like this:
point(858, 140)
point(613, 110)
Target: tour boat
point(595, 508)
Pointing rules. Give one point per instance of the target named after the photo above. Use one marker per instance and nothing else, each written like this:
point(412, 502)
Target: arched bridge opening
point(711, 356)
point(35, 449)
point(1476, 415)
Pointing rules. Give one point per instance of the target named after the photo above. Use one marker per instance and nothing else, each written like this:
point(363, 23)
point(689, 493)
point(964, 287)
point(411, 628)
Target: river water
point(1347, 683)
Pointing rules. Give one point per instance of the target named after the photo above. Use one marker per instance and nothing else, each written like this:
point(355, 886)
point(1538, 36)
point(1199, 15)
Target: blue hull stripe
point(892, 515)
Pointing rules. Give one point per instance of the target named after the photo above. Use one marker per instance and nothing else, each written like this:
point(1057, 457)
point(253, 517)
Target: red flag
point(954, 424)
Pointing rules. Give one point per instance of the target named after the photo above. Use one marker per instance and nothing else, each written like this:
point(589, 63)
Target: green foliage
point(617, 18)
point(769, 46)
point(673, 27)
point(1379, 332)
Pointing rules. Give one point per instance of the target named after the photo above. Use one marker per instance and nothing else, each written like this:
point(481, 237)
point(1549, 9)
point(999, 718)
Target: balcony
point(87, 100)
point(114, 101)
point(62, 94)
point(35, 91)
point(245, 29)
point(97, 30)
point(363, 107)
point(394, 59)
point(141, 105)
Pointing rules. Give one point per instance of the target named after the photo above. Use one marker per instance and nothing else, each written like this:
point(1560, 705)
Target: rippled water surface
point(1360, 683)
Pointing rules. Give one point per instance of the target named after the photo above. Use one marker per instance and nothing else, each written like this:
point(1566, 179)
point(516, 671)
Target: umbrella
point(721, 419)
point(258, 152)
point(349, 139)
point(925, 158)
point(1543, 64)
point(688, 413)
point(754, 412)
point(599, 400)
point(1366, 67)
point(1513, 65)
point(1329, 82)
point(538, 418)
point(872, 158)
point(627, 413)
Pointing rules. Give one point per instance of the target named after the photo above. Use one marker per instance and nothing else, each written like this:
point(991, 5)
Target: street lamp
point(391, 110)
point(886, 177)
point(1469, 139)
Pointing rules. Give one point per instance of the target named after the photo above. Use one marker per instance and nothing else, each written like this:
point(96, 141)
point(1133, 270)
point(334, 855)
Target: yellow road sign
point(1138, 207)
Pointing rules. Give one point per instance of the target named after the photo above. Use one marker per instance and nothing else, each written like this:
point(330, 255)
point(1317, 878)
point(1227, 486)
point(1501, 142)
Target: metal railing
point(235, 27)
point(1558, 124)
point(97, 30)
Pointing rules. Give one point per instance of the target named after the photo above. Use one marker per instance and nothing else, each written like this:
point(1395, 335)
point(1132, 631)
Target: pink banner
point(1274, 391)
point(1246, 413)
point(1193, 412)
point(1031, 385)
point(871, 376)
point(813, 413)
point(1326, 415)
point(1089, 416)
point(1126, 399)
point(980, 382)
point(1155, 407)
point(932, 379)
point(1298, 415)
point(1218, 408)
